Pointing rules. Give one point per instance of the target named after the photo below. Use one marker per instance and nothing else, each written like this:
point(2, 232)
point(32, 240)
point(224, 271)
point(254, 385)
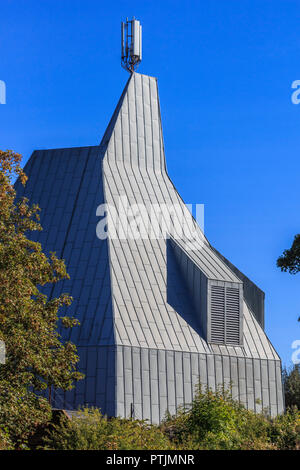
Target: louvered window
point(225, 315)
point(217, 317)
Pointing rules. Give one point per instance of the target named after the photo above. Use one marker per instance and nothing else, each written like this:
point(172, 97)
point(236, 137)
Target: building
point(157, 315)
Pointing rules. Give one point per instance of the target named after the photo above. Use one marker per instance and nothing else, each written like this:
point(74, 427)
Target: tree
point(36, 357)
point(290, 259)
point(291, 382)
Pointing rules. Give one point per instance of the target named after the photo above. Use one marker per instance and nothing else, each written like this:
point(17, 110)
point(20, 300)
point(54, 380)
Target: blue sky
point(224, 69)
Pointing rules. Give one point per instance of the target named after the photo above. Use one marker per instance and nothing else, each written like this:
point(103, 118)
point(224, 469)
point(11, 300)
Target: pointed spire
point(134, 135)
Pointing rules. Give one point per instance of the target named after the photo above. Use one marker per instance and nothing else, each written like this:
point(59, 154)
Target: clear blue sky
point(231, 132)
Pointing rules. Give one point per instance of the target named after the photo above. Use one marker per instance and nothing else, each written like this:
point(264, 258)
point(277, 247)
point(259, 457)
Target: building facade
point(157, 314)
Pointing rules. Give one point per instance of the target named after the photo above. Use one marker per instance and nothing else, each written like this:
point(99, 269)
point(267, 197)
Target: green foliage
point(284, 431)
point(90, 430)
point(21, 412)
point(36, 358)
point(5, 441)
point(291, 383)
point(214, 421)
point(290, 259)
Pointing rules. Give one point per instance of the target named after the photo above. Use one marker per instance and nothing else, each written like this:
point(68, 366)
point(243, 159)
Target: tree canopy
point(291, 382)
point(36, 357)
point(290, 259)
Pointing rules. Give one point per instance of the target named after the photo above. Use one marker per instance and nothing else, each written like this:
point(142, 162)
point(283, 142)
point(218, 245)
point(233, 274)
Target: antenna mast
point(131, 44)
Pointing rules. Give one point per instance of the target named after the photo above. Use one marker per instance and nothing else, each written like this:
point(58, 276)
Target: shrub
point(215, 421)
point(284, 430)
point(5, 442)
point(20, 416)
point(90, 430)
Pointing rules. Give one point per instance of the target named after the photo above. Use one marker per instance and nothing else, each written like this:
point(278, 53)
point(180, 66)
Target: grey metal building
point(156, 316)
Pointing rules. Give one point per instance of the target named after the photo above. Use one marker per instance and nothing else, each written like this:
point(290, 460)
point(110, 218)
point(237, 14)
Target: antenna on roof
point(131, 44)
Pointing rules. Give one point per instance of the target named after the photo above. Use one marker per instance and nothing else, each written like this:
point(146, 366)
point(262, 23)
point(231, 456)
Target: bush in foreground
point(5, 442)
point(90, 430)
point(213, 421)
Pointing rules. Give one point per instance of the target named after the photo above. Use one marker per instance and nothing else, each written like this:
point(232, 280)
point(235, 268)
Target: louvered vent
point(225, 315)
point(217, 314)
point(232, 315)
